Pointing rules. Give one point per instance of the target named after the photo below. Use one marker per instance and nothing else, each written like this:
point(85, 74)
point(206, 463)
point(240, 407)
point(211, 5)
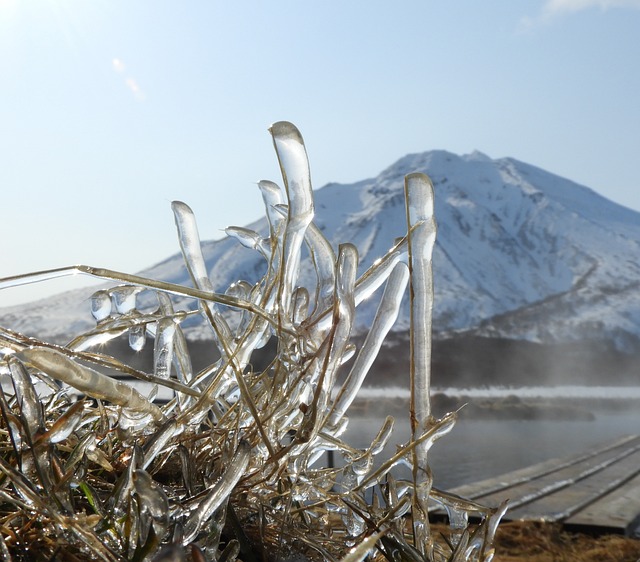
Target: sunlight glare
point(118, 65)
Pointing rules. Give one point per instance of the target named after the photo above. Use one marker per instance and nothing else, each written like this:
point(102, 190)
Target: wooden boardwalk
point(597, 491)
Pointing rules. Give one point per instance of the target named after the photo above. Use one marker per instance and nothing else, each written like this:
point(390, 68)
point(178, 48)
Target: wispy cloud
point(131, 83)
point(553, 9)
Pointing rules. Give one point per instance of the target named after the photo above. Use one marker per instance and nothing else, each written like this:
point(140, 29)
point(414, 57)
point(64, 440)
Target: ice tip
point(417, 182)
point(418, 177)
point(180, 205)
point(285, 130)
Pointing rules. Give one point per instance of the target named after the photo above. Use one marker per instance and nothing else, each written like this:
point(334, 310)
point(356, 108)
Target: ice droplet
point(137, 337)
point(100, 305)
point(124, 298)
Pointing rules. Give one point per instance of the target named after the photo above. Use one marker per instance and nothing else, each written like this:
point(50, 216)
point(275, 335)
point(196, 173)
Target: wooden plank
point(505, 481)
point(618, 510)
point(565, 502)
point(599, 489)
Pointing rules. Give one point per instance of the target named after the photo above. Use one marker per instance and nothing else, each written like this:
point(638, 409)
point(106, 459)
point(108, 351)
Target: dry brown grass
point(543, 542)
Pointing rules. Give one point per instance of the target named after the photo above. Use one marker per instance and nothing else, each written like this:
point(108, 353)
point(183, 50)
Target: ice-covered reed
point(232, 466)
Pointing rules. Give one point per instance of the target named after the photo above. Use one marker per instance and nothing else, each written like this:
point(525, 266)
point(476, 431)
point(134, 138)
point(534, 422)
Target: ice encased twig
point(420, 240)
point(294, 165)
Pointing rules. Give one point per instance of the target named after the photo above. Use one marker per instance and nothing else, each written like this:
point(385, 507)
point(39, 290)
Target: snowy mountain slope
point(521, 253)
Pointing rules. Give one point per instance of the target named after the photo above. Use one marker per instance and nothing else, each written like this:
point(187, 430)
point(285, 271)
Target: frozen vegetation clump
point(232, 466)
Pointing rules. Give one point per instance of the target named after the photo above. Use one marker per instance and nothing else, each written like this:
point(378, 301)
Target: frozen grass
point(232, 467)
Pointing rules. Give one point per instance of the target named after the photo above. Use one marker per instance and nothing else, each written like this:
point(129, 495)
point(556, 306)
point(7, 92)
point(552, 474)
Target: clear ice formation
point(233, 465)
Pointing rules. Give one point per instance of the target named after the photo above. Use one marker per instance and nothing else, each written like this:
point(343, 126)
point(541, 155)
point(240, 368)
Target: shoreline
point(508, 406)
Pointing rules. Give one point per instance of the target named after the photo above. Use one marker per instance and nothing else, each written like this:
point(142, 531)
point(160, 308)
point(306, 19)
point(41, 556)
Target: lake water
point(481, 448)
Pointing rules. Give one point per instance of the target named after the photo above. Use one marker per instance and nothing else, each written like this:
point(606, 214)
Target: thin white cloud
point(553, 9)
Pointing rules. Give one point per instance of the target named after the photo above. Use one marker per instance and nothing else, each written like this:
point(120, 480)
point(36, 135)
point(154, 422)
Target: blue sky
point(111, 109)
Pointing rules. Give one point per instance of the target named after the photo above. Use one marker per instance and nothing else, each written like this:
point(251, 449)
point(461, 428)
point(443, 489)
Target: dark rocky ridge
point(462, 361)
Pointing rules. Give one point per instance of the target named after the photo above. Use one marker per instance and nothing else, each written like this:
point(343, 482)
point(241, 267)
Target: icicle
point(137, 337)
point(182, 358)
point(378, 273)
point(381, 439)
point(344, 307)
point(79, 451)
point(121, 494)
point(153, 499)
point(241, 290)
point(163, 349)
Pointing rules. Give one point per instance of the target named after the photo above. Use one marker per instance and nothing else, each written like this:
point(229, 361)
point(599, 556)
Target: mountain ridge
point(521, 253)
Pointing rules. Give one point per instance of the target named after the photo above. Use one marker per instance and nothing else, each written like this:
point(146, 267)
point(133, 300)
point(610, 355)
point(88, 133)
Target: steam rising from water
point(549, 392)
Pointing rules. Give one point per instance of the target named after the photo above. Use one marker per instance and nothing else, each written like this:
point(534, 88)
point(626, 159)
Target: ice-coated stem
point(292, 156)
point(26, 395)
point(361, 551)
point(272, 197)
point(323, 258)
point(421, 239)
point(385, 318)
point(192, 252)
point(249, 239)
point(84, 379)
point(219, 492)
point(110, 274)
point(370, 281)
point(336, 343)
point(344, 307)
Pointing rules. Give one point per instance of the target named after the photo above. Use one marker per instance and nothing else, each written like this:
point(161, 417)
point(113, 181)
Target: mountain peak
point(521, 253)
point(477, 156)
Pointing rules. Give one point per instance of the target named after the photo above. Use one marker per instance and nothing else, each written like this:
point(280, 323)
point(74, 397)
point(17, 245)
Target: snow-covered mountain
point(521, 254)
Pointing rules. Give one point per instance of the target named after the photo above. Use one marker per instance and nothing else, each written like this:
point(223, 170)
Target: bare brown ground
point(543, 542)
